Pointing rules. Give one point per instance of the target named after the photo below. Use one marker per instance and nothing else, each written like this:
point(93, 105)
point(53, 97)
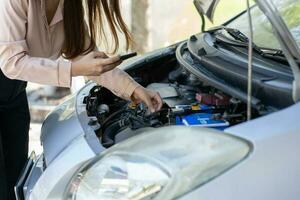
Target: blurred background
point(154, 24)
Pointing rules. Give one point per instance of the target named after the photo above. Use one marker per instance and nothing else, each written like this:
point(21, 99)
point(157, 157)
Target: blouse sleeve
point(15, 62)
point(117, 81)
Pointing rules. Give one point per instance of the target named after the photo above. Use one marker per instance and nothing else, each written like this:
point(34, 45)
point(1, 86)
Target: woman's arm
point(116, 80)
point(15, 62)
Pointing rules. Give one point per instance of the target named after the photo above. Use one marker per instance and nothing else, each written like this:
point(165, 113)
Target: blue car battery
point(202, 120)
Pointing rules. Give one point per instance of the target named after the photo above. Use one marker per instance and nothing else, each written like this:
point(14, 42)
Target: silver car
point(200, 145)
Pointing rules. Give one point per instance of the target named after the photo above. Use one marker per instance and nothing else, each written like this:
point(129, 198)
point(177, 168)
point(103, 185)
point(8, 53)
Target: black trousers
point(14, 128)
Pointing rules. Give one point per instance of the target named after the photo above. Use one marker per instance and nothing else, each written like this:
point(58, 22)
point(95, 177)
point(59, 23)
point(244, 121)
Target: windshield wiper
point(241, 37)
point(272, 52)
point(237, 35)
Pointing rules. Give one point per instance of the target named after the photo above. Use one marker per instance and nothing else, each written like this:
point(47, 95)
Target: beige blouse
point(30, 48)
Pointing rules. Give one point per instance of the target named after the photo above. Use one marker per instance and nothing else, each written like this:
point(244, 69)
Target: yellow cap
point(132, 105)
point(196, 107)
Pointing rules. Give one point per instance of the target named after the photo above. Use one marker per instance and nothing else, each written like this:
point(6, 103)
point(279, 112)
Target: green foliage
point(228, 9)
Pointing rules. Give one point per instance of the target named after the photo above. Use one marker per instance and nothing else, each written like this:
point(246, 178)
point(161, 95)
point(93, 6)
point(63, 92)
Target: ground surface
point(34, 138)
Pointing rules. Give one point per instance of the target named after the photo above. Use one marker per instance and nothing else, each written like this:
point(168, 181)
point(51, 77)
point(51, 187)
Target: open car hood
point(281, 31)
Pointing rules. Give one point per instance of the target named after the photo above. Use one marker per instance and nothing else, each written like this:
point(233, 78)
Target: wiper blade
point(241, 37)
point(272, 52)
point(234, 33)
point(276, 54)
point(238, 35)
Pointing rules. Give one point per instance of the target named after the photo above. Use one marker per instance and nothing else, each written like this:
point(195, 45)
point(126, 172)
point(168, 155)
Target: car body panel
point(58, 174)
point(66, 123)
point(68, 140)
point(271, 171)
point(35, 173)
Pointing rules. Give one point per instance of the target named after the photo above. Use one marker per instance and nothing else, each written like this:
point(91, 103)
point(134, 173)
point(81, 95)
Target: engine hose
point(107, 120)
point(177, 75)
point(109, 134)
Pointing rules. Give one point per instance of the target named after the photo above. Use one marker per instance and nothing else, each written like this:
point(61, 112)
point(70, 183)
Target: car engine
point(187, 102)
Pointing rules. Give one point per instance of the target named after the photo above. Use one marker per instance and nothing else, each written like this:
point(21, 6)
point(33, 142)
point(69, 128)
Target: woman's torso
point(43, 40)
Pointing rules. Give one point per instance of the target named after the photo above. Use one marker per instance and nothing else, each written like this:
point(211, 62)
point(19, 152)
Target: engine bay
point(187, 102)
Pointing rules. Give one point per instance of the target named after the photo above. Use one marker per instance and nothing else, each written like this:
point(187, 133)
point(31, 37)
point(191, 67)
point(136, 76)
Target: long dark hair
point(97, 11)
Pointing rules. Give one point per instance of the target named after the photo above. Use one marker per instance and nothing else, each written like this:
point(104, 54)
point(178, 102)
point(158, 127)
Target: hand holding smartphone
point(127, 56)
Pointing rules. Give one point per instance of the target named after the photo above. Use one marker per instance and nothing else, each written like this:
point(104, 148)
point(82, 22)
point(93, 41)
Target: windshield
point(263, 34)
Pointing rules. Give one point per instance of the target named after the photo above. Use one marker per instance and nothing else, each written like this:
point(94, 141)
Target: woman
point(48, 42)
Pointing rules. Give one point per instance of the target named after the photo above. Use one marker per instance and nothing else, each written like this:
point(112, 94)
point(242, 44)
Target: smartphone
point(127, 56)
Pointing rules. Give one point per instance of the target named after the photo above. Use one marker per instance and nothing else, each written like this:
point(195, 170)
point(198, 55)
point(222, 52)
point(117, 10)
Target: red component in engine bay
point(216, 99)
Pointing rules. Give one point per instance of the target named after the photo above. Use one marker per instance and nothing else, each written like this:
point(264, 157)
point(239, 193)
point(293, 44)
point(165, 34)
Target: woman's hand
point(150, 98)
point(94, 64)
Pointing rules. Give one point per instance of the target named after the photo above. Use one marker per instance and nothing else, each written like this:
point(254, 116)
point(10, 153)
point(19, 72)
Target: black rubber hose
point(108, 119)
point(177, 75)
point(109, 134)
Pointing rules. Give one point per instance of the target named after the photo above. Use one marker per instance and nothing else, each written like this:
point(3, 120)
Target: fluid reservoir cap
point(196, 107)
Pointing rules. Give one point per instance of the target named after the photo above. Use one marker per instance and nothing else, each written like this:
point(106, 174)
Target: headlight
point(162, 163)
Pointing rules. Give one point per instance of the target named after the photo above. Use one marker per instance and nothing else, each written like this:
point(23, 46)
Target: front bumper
point(29, 176)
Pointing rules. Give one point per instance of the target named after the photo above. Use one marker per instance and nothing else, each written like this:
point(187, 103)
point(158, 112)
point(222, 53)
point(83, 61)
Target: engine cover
point(173, 94)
